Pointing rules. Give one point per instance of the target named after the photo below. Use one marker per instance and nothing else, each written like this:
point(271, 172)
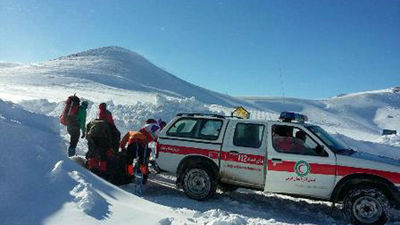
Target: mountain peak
point(111, 52)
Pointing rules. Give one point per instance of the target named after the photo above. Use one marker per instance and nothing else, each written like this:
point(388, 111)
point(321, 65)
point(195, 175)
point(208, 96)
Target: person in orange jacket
point(138, 145)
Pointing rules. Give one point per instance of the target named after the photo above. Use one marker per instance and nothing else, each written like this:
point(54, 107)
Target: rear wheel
point(366, 205)
point(198, 182)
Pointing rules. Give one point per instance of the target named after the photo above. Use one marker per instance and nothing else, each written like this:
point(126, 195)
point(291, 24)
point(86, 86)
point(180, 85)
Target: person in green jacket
point(76, 125)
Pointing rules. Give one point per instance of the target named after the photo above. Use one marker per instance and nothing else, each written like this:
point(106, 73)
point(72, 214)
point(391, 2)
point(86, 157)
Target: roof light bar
point(292, 116)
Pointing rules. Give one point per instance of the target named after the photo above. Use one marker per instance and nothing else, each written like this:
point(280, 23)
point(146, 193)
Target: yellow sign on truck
point(241, 112)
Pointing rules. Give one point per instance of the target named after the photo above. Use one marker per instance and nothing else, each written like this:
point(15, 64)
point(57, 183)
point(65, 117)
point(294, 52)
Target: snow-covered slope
point(361, 116)
point(40, 185)
point(114, 70)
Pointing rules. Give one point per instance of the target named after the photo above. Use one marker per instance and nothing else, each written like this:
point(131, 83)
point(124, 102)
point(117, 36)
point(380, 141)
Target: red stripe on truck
point(181, 150)
point(392, 176)
point(213, 154)
point(288, 166)
point(326, 169)
point(284, 166)
point(316, 168)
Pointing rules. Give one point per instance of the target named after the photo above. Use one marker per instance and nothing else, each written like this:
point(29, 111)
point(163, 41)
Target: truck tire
point(366, 206)
point(199, 182)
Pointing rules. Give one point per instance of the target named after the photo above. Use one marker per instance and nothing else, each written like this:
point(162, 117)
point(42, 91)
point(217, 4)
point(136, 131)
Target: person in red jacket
point(106, 115)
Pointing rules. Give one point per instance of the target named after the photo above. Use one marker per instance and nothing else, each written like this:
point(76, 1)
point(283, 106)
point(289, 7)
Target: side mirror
point(320, 149)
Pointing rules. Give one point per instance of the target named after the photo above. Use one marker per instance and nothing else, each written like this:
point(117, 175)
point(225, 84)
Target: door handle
point(234, 152)
point(276, 160)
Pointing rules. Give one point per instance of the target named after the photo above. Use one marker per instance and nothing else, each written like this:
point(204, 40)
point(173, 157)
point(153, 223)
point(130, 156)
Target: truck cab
point(286, 156)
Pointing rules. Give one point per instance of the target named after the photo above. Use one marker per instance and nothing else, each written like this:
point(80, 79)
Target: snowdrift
point(40, 185)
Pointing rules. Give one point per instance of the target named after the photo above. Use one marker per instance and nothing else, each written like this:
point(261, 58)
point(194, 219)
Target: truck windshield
point(332, 143)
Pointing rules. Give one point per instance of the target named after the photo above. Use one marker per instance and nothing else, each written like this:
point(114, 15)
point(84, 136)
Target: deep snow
point(40, 185)
point(43, 186)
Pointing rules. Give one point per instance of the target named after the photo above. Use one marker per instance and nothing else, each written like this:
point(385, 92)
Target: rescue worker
point(282, 139)
point(99, 137)
point(300, 141)
point(106, 115)
point(76, 123)
point(153, 163)
point(138, 145)
point(161, 123)
point(285, 142)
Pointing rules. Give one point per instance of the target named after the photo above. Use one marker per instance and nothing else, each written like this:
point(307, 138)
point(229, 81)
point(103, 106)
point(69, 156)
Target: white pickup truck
point(288, 156)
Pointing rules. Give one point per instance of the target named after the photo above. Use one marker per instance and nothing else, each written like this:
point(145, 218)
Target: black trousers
point(132, 152)
point(74, 132)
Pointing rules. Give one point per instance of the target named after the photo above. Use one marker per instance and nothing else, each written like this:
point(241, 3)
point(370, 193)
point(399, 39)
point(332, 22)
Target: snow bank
point(40, 185)
point(30, 146)
point(127, 117)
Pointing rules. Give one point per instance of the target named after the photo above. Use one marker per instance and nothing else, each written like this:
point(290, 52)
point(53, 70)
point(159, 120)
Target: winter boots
point(71, 151)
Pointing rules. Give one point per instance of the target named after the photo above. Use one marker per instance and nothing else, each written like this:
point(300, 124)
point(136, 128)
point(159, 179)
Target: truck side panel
point(172, 151)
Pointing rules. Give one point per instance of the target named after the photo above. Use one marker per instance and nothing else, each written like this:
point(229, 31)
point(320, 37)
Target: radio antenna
point(282, 87)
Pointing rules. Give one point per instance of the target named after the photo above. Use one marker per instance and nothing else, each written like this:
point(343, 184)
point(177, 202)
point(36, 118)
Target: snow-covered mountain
point(114, 70)
point(39, 171)
point(372, 110)
point(135, 89)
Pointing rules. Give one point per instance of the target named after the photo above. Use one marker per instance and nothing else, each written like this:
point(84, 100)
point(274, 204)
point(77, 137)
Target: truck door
point(243, 154)
point(190, 136)
point(297, 162)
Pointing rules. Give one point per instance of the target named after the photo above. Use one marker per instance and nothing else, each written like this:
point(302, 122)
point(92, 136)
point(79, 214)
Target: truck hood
point(373, 158)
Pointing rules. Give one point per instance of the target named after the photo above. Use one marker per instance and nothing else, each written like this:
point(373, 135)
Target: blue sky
point(308, 49)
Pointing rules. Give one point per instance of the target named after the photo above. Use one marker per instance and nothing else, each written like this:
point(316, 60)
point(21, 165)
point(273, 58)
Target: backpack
point(71, 108)
point(98, 129)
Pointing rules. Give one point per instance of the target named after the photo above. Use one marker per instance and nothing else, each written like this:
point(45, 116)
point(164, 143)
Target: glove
point(83, 135)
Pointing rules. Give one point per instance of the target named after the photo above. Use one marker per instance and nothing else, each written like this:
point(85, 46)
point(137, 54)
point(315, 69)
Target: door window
point(183, 128)
point(289, 139)
point(248, 135)
point(207, 129)
point(210, 129)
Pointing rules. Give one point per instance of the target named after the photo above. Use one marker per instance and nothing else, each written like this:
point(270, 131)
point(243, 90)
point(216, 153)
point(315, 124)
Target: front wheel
point(198, 182)
point(366, 206)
